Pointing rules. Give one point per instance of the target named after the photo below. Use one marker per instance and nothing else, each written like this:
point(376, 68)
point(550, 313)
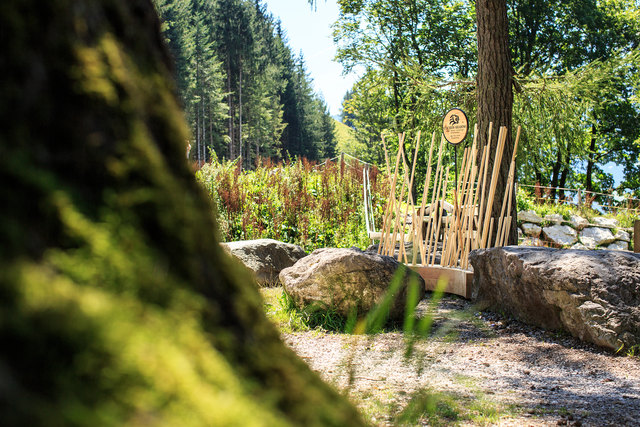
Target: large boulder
point(531, 230)
point(623, 235)
point(601, 221)
point(554, 218)
point(530, 216)
point(265, 257)
point(592, 237)
point(560, 235)
point(347, 279)
point(594, 295)
point(578, 222)
point(618, 245)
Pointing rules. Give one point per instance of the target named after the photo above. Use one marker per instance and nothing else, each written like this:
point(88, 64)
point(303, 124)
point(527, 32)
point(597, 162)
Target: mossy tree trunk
point(117, 304)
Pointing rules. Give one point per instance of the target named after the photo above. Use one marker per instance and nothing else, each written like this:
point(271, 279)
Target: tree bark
point(588, 185)
point(495, 93)
point(119, 306)
point(230, 102)
point(240, 145)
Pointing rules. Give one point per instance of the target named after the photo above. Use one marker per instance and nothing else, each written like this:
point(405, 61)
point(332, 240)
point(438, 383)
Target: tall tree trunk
point(240, 108)
point(588, 185)
point(198, 139)
point(555, 176)
point(230, 101)
point(563, 181)
point(495, 93)
point(203, 132)
point(118, 304)
point(211, 130)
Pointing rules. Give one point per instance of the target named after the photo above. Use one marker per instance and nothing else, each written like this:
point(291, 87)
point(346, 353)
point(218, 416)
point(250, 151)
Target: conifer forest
point(245, 93)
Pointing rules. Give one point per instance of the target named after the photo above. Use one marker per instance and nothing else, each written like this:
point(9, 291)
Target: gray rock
point(560, 235)
point(580, 246)
point(618, 245)
point(554, 218)
point(345, 280)
point(578, 222)
point(623, 235)
point(265, 257)
point(601, 221)
point(594, 295)
point(530, 216)
point(531, 230)
point(592, 237)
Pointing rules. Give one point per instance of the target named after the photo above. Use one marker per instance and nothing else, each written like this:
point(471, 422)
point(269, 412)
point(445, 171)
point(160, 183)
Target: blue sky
point(309, 31)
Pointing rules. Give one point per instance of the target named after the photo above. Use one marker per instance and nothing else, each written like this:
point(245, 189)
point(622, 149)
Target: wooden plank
point(636, 236)
point(459, 281)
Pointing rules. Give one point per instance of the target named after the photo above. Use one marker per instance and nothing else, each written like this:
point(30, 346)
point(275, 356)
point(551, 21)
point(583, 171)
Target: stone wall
point(575, 233)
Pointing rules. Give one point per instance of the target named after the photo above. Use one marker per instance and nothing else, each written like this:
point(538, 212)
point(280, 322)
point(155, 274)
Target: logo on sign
point(455, 126)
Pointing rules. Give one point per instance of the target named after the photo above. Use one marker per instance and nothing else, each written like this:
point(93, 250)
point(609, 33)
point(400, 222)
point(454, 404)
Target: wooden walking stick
point(432, 207)
point(425, 192)
point(512, 175)
point(502, 136)
point(483, 171)
point(410, 194)
point(434, 197)
point(468, 162)
point(508, 187)
point(390, 204)
point(396, 223)
point(470, 202)
point(439, 216)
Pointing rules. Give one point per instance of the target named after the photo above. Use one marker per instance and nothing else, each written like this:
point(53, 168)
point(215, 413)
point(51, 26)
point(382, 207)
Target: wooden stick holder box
point(434, 237)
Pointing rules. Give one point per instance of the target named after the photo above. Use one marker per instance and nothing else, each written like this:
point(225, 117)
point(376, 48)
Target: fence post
point(579, 197)
point(636, 236)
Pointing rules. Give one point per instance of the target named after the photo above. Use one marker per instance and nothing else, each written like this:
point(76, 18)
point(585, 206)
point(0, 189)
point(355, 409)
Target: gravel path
point(499, 371)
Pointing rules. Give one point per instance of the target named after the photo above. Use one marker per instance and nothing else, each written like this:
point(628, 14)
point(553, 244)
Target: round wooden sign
point(455, 126)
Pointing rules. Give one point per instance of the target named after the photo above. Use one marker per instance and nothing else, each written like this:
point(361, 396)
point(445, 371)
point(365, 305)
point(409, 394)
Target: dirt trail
point(490, 370)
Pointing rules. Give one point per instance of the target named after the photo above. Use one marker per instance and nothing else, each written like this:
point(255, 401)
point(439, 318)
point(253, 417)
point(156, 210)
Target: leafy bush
point(296, 202)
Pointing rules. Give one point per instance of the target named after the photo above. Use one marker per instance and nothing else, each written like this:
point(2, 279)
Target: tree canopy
point(575, 67)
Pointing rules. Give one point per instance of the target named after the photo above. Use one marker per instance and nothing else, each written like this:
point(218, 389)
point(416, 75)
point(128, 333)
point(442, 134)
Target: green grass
point(443, 408)
point(288, 318)
point(347, 141)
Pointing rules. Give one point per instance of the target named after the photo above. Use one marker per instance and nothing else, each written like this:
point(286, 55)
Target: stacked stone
point(574, 233)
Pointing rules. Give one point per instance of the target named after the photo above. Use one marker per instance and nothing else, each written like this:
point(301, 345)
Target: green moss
point(117, 304)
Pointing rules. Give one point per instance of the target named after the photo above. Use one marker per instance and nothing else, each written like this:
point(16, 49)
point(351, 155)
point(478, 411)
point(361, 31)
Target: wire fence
point(605, 202)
